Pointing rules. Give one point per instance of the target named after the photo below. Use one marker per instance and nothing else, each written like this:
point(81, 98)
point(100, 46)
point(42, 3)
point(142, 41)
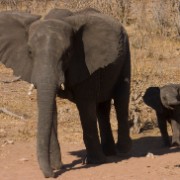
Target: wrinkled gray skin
point(166, 102)
point(87, 53)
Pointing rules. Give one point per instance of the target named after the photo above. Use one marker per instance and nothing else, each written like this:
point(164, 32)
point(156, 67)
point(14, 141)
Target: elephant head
point(170, 95)
point(162, 97)
point(49, 52)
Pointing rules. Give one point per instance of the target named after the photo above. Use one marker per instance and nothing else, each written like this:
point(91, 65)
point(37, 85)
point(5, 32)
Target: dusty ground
point(18, 161)
point(18, 150)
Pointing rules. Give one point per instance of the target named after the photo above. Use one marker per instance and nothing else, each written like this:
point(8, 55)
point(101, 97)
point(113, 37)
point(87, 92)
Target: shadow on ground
point(154, 145)
point(141, 147)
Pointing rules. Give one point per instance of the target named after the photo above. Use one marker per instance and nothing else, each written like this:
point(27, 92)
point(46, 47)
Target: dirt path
point(18, 162)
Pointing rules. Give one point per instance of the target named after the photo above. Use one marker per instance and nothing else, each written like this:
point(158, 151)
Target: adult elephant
point(166, 102)
point(90, 56)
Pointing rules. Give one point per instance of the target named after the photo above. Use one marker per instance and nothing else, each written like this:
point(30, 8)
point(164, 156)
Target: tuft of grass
point(9, 2)
point(166, 16)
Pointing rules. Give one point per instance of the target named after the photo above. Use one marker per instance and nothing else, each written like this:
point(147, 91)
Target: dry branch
point(4, 110)
point(13, 80)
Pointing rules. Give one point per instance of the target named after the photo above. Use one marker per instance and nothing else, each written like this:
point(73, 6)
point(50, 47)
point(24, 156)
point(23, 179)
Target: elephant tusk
point(62, 86)
point(30, 90)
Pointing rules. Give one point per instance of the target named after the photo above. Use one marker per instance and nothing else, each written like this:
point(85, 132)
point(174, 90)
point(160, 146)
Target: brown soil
point(18, 150)
point(18, 161)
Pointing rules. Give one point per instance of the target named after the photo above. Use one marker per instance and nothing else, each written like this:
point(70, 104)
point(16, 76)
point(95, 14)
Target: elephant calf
point(166, 102)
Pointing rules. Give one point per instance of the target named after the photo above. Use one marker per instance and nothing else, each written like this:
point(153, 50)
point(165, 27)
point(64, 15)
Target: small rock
point(177, 165)
point(23, 159)
point(10, 142)
point(150, 155)
point(6, 142)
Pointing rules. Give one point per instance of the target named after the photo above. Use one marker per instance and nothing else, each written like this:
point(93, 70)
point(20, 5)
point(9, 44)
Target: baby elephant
point(166, 102)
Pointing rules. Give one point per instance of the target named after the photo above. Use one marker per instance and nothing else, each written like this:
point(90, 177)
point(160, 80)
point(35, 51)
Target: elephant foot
point(109, 149)
point(124, 146)
point(94, 159)
point(175, 143)
point(166, 142)
point(176, 140)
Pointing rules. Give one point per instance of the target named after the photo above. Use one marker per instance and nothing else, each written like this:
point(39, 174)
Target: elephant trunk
point(46, 94)
point(174, 103)
point(170, 102)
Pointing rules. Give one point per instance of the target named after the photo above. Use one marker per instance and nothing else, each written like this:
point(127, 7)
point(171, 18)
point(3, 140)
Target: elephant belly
point(108, 82)
point(99, 87)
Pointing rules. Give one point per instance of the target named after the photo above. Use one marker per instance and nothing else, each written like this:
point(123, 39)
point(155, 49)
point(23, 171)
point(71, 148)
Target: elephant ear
point(103, 39)
point(152, 98)
point(14, 51)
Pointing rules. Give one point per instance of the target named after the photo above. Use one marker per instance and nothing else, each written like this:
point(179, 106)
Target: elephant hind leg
point(107, 140)
point(121, 103)
point(55, 153)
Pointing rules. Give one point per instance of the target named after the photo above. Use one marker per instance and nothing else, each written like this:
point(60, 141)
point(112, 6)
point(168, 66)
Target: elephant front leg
point(107, 140)
point(176, 133)
point(121, 102)
point(175, 122)
point(162, 123)
point(87, 111)
point(55, 153)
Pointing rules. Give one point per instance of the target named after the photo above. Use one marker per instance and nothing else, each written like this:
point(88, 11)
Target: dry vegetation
point(154, 30)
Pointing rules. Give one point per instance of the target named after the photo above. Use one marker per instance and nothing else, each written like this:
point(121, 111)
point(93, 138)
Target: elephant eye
point(30, 53)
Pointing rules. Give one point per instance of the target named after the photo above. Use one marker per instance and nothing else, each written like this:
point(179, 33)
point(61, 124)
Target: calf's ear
point(152, 98)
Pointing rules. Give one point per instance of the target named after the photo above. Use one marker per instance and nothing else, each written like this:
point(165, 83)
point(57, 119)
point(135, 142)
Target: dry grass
point(155, 51)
